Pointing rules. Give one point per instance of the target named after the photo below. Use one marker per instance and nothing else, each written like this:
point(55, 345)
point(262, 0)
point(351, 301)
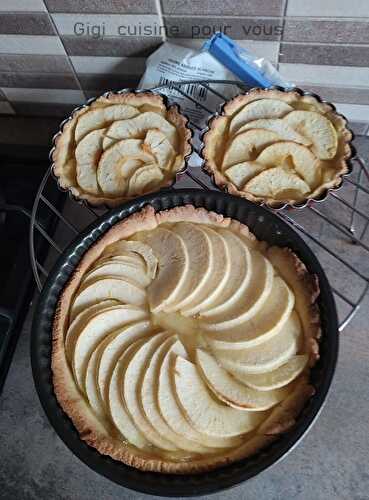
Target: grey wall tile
point(235, 27)
point(334, 55)
point(33, 131)
point(63, 96)
point(22, 5)
point(111, 65)
point(341, 94)
point(43, 109)
point(321, 74)
point(107, 82)
point(106, 6)
point(35, 23)
point(328, 8)
point(39, 81)
point(34, 63)
point(2, 96)
point(297, 30)
point(111, 46)
point(224, 7)
point(31, 44)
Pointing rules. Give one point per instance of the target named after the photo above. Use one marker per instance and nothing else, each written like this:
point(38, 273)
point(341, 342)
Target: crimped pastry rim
point(123, 453)
point(220, 181)
point(91, 200)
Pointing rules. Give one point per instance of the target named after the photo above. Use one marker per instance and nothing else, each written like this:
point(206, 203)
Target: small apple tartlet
point(120, 146)
point(277, 147)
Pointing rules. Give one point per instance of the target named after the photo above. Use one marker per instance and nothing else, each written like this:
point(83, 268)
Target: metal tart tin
point(323, 196)
point(266, 226)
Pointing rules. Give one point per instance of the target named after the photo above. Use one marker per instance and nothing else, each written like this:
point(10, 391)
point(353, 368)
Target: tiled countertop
point(330, 463)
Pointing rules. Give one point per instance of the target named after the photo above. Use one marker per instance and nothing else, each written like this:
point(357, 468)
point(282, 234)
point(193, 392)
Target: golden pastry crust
point(103, 436)
point(64, 163)
point(217, 128)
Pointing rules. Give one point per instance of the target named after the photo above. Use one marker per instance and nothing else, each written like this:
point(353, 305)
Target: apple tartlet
point(121, 146)
point(277, 147)
point(182, 343)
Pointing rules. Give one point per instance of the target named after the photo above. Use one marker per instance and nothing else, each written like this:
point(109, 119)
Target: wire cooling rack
point(336, 229)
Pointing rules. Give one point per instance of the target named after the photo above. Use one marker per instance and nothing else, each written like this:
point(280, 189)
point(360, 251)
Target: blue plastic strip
point(226, 51)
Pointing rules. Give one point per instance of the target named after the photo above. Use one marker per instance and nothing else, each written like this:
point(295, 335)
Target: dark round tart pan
point(266, 226)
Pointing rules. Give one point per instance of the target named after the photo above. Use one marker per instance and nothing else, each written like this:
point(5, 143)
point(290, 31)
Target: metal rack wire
point(336, 229)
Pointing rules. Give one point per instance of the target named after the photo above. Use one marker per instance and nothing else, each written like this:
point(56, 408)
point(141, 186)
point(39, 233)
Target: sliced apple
point(206, 414)
point(219, 275)
point(92, 393)
point(291, 155)
point(278, 183)
point(138, 126)
point(266, 356)
point(150, 403)
point(103, 360)
point(240, 173)
point(266, 323)
point(120, 251)
point(232, 392)
point(262, 108)
point(200, 260)
point(144, 178)
point(98, 327)
point(280, 127)
point(173, 265)
point(123, 290)
point(239, 276)
point(119, 270)
point(116, 343)
point(132, 383)
point(279, 377)
point(174, 415)
point(99, 118)
point(247, 145)
point(80, 321)
point(113, 170)
point(139, 250)
point(117, 408)
point(318, 129)
point(87, 154)
point(252, 299)
point(157, 144)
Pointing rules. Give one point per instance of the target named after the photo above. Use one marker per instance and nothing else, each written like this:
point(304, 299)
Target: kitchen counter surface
point(330, 463)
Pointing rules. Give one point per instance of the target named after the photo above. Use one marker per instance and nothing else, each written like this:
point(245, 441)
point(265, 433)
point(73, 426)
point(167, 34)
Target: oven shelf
point(336, 229)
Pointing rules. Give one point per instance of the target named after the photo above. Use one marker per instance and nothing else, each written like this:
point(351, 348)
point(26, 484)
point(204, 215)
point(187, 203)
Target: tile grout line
point(283, 26)
point(159, 12)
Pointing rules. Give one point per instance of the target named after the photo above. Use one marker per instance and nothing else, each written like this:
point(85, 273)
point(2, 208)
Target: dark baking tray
point(266, 226)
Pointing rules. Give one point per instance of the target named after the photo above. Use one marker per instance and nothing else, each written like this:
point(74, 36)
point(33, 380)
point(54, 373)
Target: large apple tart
point(182, 343)
point(277, 147)
point(121, 146)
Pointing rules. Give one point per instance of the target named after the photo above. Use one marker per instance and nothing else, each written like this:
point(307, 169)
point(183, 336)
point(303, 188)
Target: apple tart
point(121, 146)
point(278, 147)
point(182, 343)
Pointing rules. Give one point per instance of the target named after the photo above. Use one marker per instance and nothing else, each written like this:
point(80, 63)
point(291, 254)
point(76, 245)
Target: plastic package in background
point(172, 63)
point(252, 70)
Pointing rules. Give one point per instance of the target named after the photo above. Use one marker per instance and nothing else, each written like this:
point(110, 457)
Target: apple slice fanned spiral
point(186, 341)
point(277, 147)
point(121, 146)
